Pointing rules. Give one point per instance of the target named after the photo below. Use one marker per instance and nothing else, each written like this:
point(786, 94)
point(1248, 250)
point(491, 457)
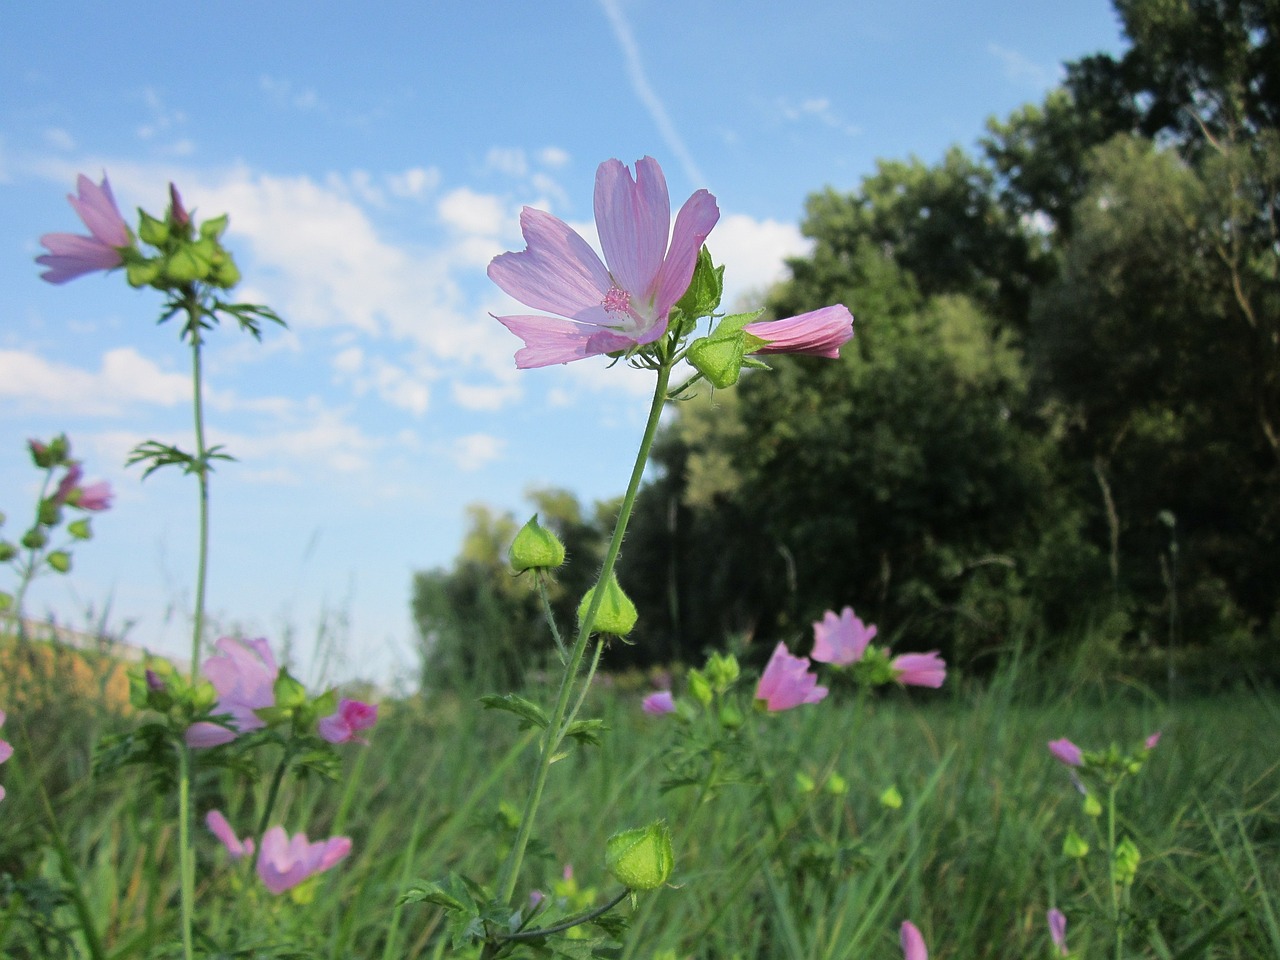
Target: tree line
point(1059, 416)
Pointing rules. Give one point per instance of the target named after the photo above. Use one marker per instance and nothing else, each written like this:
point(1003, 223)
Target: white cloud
point(553, 157)
point(1024, 71)
point(753, 253)
point(508, 160)
point(397, 386)
point(414, 182)
point(126, 377)
point(819, 109)
point(476, 450)
point(471, 396)
point(471, 212)
point(283, 94)
point(59, 139)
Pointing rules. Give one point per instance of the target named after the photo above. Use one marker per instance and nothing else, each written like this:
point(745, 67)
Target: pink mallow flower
point(236, 847)
point(1151, 741)
point(840, 639)
point(244, 674)
point(919, 669)
point(6, 749)
point(352, 717)
point(913, 947)
point(72, 255)
point(284, 861)
point(787, 682)
point(656, 704)
point(1066, 752)
point(1058, 930)
point(819, 333)
point(604, 309)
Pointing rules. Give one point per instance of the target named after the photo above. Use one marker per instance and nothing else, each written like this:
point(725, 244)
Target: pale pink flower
point(69, 483)
point(284, 862)
point(840, 639)
point(919, 669)
point(244, 674)
point(1066, 751)
point(659, 703)
point(604, 309)
point(787, 682)
point(6, 749)
point(344, 725)
point(236, 847)
point(1151, 741)
point(95, 496)
point(73, 255)
point(819, 333)
point(913, 947)
point(1058, 930)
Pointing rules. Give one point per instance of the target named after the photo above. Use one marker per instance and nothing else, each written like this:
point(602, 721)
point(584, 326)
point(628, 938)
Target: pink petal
point(633, 218)
point(920, 669)
point(97, 208)
point(787, 682)
point(819, 333)
point(204, 734)
point(551, 340)
point(6, 750)
point(1058, 930)
point(659, 703)
point(841, 640)
point(693, 223)
point(913, 947)
point(218, 825)
point(1066, 752)
point(557, 271)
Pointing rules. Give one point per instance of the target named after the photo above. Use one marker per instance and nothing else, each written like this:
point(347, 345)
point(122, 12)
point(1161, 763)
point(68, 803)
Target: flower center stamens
point(617, 301)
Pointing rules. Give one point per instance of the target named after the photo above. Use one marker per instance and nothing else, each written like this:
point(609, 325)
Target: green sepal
point(289, 693)
point(616, 613)
point(213, 228)
point(641, 859)
point(535, 548)
point(705, 288)
point(719, 359)
point(185, 265)
point(151, 230)
point(142, 273)
point(60, 560)
point(80, 529)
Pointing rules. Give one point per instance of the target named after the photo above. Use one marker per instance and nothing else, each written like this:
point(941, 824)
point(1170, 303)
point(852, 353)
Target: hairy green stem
point(569, 923)
point(186, 854)
point(561, 717)
point(1112, 885)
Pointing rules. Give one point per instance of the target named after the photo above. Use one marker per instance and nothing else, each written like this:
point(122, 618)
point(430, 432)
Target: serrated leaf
point(432, 892)
point(586, 731)
point(527, 710)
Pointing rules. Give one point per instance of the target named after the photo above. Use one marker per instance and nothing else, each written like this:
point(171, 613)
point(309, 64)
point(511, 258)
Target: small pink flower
point(6, 749)
point(919, 669)
point(1151, 741)
point(604, 309)
point(913, 947)
point(819, 333)
point(96, 496)
point(787, 682)
point(841, 639)
point(656, 704)
point(244, 674)
point(69, 483)
point(1067, 752)
point(285, 862)
point(352, 717)
point(73, 255)
point(1058, 930)
point(236, 847)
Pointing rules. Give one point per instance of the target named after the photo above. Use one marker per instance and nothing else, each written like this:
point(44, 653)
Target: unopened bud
point(60, 560)
point(641, 859)
point(535, 548)
point(616, 614)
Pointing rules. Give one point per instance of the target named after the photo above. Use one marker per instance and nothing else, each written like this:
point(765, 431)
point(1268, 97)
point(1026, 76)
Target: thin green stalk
point(186, 855)
point(1111, 878)
point(556, 727)
point(272, 793)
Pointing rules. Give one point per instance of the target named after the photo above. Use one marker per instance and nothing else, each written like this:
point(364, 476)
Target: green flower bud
point(60, 560)
point(722, 671)
point(80, 529)
point(699, 688)
point(185, 265)
point(142, 273)
point(34, 539)
point(804, 782)
point(1075, 846)
point(7, 551)
point(1124, 865)
point(891, 798)
point(49, 513)
point(6, 600)
point(288, 691)
point(641, 859)
point(730, 716)
point(535, 548)
point(1092, 808)
point(225, 272)
point(153, 231)
point(616, 613)
point(836, 785)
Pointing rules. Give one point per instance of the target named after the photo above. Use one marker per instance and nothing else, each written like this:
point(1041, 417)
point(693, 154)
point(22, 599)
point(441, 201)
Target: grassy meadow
point(973, 855)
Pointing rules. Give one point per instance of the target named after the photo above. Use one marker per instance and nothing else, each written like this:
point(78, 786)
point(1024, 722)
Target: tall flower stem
point(561, 716)
point(186, 860)
point(1112, 884)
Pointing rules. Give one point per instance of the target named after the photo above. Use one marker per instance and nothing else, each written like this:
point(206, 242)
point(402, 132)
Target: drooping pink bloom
point(913, 947)
point(658, 703)
point(1151, 741)
point(819, 333)
point(6, 749)
point(787, 682)
point(344, 725)
point(69, 483)
point(919, 669)
point(1058, 930)
point(841, 639)
point(1066, 752)
point(244, 674)
point(95, 496)
point(284, 862)
point(72, 255)
point(236, 847)
point(602, 309)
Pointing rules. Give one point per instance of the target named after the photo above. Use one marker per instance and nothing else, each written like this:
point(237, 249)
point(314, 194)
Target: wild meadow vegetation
point(1046, 472)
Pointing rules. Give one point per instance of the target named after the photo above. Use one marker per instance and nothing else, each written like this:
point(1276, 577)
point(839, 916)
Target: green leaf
point(527, 710)
point(586, 731)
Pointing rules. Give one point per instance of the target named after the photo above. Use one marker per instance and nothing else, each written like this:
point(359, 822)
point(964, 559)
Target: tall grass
point(972, 856)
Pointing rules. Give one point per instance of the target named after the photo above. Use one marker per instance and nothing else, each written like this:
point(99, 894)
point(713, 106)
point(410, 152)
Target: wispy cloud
point(284, 94)
point(817, 109)
point(645, 93)
point(1023, 71)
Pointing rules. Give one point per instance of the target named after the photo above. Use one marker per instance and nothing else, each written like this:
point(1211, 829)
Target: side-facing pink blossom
point(351, 717)
point(72, 255)
point(659, 703)
point(1066, 751)
point(818, 333)
point(284, 861)
point(1151, 741)
point(610, 305)
point(913, 947)
point(95, 496)
point(6, 749)
point(236, 847)
point(841, 639)
point(244, 674)
point(919, 669)
point(1058, 930)
point(69, 483)
point(787, 682)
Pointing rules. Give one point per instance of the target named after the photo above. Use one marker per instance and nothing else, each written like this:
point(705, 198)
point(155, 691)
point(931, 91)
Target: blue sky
point(373, 158)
